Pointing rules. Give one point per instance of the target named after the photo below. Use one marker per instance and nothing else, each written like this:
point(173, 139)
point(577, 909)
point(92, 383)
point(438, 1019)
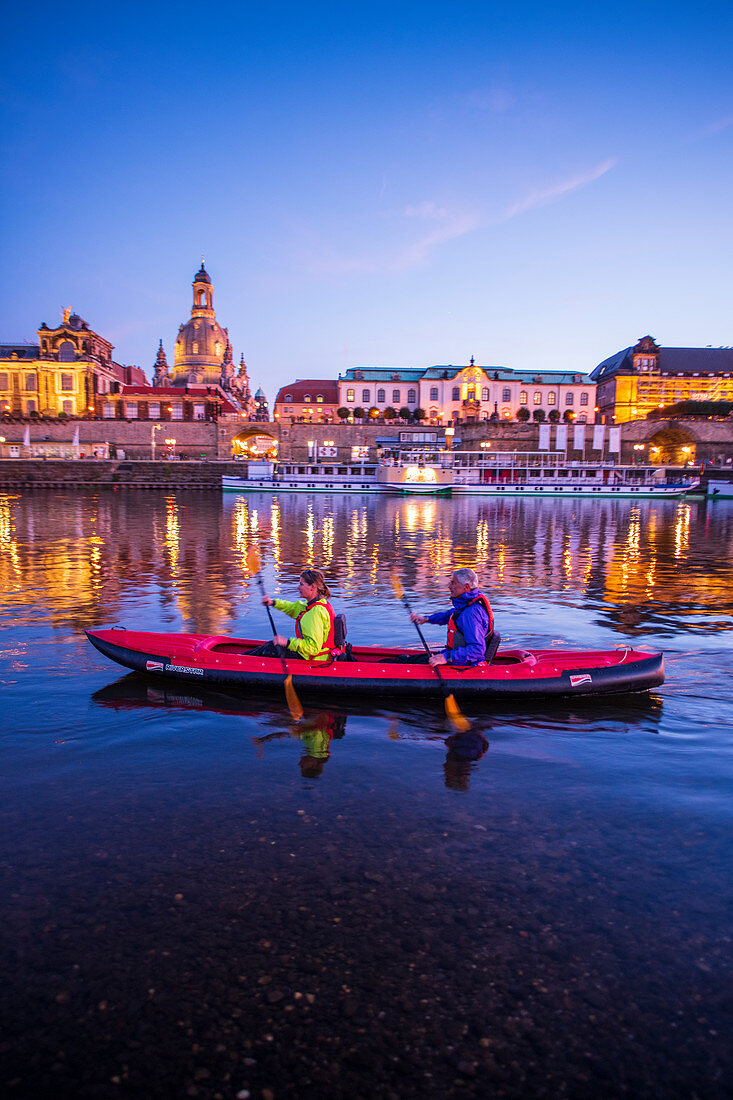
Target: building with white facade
point(467, 394)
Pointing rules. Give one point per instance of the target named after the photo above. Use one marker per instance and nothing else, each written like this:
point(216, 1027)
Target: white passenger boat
point(406, 474)
point(543, 473)
point(462, 473)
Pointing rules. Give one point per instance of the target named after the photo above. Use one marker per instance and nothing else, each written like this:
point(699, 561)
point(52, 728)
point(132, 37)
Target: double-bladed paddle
point(254, 565)
point(455, 716)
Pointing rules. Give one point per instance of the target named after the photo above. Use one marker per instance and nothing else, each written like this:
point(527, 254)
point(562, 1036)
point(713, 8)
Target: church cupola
point(203, 294)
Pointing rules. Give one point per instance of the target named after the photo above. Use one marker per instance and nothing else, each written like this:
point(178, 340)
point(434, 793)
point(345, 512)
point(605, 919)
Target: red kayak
point(225, 662)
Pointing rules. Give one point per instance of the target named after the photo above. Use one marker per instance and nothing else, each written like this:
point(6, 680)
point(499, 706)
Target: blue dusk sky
point(536, 185)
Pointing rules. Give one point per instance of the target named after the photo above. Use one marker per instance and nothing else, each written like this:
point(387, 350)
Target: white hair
point(466, 576)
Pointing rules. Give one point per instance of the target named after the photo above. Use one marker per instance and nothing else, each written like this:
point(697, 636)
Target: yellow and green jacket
point(313, 627)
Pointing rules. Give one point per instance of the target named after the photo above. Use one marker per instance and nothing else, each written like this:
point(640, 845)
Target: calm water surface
point(200, 898)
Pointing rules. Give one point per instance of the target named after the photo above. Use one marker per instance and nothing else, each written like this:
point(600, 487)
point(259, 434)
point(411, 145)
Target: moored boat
point(223, 661)
point(465, 473)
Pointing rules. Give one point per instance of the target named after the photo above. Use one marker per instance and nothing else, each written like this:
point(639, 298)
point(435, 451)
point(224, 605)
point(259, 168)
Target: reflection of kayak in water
point(223, 662)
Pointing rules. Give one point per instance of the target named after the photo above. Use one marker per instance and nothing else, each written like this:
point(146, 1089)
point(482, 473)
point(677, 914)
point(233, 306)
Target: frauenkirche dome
point(202, 345)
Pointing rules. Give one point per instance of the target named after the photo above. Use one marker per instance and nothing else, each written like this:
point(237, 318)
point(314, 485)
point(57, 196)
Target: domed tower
point(201, 343)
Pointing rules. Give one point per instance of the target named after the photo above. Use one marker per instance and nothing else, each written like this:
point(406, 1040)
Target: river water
point(200, 898)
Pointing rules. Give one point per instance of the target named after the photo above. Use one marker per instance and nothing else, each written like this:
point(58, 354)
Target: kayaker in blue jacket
point(470, 622)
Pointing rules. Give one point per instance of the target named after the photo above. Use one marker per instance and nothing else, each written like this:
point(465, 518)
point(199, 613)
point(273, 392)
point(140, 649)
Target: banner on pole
point(599, 431)
point(614, 440)
point(544, 437)
point(561, 437)
point(579, 437)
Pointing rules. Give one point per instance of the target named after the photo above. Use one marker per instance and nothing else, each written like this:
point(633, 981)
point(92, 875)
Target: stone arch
point(254, 442)
point(672, 445)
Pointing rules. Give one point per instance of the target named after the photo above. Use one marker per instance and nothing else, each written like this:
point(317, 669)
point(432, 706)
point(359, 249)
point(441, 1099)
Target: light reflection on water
point(581, 848)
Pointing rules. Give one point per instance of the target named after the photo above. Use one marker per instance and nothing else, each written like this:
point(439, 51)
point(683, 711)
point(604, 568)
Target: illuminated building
point(310, 399)
point(469, 394)
point(202, 354)
point(647, 377)
point(63, 374)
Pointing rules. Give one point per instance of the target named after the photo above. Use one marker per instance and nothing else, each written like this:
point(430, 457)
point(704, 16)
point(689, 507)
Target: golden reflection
point(634, 536)
point(328, 537)
point(172, 533)
point(482, 541)
point(240, 524)
point(500, 563)
point(83, 561)
point(275, 530)
point(8, 544)
point(310, 533)
point(682, 531)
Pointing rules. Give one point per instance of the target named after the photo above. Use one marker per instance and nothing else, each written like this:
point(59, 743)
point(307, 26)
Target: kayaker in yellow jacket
point(314, 621)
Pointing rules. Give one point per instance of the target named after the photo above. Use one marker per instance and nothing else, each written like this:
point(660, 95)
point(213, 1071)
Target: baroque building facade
point(467, 394)
point(647, 377)
point(65, 373)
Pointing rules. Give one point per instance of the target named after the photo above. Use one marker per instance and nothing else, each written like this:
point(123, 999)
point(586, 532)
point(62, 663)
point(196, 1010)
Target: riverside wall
point(39, 473)
point(200, 443)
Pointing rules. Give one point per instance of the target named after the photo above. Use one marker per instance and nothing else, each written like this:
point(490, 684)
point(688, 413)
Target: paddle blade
point(456, 717)
point(296, 710)
point(397, 586)
point(253, 560)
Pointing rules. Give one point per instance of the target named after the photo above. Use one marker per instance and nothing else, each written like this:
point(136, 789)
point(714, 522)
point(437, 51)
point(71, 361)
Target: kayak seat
point(341, 648)
point(339, 631)
point(492, 645)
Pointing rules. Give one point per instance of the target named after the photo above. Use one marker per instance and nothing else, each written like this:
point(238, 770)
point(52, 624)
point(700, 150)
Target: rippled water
point(200, 898)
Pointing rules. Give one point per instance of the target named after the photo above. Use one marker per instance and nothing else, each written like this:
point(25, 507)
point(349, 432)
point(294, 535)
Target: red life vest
point(455, 636)
point(329, 643)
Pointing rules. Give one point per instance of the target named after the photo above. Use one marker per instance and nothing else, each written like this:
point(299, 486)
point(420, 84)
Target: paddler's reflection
point(315, 733)
point(464, 749)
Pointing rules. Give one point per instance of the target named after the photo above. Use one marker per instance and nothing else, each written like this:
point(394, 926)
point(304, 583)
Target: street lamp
point(155, 428)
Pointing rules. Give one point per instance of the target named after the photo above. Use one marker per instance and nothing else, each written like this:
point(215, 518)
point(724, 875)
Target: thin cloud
point(551, 194)
point(447, 226)
point(427, 210)
point(325, 260)
point(717, 127)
